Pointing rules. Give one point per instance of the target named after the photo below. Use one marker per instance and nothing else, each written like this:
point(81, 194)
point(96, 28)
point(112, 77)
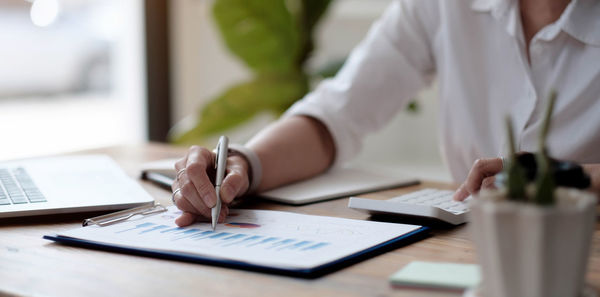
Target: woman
point(491, 58)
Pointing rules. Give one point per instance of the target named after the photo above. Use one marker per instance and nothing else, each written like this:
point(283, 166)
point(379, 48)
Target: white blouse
point(477, 51)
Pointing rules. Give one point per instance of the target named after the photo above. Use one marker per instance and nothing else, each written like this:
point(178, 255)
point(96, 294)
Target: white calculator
point(425, 204)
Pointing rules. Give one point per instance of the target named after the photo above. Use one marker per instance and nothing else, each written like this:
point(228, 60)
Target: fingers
point(188, 218)
point(489, 183)
point(482, 169)
point(197, 193)
point(198, 161)
point(461, 194)
point(192, 176)
point(187, 198)
point(236, 181)
point(185, 205)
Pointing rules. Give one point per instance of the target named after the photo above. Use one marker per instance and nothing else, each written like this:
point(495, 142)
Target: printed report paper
point(261, 237)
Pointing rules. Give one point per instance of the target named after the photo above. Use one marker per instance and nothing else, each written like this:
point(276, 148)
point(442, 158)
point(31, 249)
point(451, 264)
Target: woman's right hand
point(481, 175)
point(193, 188)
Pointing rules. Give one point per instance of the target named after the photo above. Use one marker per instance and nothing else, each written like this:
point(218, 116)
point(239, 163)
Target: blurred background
point(77, 74)
point(71, 75)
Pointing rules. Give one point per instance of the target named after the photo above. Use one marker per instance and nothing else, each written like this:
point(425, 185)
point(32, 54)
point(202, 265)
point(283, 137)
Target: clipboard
point(308, 273)
point(124, 215)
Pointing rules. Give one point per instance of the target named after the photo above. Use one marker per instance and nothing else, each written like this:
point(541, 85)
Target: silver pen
point(220, 166)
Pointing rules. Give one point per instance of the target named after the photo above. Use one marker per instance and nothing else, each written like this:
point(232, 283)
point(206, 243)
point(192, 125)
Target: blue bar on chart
point(245, 240)
point(187, 233)
point(232, 239)
point(281, 243)
point(172, 230)
point(251, 238)
point(202, 235)
point(296, 245)
point(266, 240)
point(154, 229)
point(219, 235)
point(235, 236)
point(316, 246)
point(137, 227)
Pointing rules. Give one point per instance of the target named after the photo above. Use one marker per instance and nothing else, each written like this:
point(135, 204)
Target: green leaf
point(313, 10)
point(309, 15)
point(262, 33)
point(274, 38)
point(546, 123)
point(544, 180)
point(242, 102)
point(516, 178)
point(516, 182)
point(413, 106)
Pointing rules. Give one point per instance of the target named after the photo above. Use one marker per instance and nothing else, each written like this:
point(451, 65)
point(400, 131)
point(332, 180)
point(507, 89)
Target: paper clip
point(123, 215)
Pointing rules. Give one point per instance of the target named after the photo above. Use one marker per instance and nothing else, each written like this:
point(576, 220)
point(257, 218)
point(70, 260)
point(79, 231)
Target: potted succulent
point(533, 237)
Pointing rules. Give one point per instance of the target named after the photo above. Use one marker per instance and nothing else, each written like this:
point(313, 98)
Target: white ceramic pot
point(526, 250)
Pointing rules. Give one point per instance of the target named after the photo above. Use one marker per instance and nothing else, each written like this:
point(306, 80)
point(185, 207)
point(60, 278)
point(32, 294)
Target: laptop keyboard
point(17, 187)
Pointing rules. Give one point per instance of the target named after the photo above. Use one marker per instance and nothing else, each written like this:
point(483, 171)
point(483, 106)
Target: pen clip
point(119, 216)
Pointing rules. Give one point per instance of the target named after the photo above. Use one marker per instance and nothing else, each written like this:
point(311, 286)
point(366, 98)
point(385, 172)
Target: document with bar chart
point(261, 238)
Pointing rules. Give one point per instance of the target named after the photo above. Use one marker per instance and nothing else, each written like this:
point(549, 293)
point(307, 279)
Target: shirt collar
point(498, 8)
point(504, 11)
point(581, 19)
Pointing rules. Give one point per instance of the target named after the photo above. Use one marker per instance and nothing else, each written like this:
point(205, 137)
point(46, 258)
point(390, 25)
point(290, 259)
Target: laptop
point(65, 185)
point(339, 183)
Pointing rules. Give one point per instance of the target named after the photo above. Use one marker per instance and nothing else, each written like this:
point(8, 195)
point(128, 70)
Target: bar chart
point(273, 238)
point(220, 238)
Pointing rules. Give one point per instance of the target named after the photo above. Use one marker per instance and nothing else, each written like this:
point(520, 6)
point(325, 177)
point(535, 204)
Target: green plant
point(544, 182)
point(274, 38)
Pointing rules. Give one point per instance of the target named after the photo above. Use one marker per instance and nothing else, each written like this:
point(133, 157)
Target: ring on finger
point(179, 173)
point(175, 193)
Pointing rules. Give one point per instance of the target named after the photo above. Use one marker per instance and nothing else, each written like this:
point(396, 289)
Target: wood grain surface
point(32, 266)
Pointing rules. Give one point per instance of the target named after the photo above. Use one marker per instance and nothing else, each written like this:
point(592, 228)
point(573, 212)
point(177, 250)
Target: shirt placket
point(524, 106)
point(540, 68)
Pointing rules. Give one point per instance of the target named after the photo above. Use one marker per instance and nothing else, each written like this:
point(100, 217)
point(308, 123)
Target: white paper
point(270, 238)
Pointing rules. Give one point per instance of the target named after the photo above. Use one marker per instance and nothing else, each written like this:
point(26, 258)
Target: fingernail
point(210, 200)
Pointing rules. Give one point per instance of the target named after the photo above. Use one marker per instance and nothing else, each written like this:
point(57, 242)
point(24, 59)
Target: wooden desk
point(30, 265)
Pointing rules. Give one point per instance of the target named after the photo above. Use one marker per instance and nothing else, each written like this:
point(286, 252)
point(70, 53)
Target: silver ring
point(173, 195)
point(504, 164)
point(179, 173)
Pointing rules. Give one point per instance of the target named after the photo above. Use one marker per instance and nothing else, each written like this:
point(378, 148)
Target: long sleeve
point(381, 75)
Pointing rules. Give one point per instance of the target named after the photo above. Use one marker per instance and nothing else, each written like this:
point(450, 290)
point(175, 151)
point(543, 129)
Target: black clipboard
point(308, 273)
